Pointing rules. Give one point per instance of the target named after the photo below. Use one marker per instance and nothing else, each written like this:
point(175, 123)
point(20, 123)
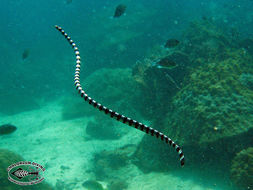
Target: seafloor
point(67, 155)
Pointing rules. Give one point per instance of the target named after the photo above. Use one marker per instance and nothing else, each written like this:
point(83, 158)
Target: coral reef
point(205, 42)
point(242, 169)
point(212, 112)
point(214, 105)
point(8, 158)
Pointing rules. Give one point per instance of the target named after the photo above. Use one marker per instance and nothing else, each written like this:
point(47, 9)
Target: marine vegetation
point(241, 171)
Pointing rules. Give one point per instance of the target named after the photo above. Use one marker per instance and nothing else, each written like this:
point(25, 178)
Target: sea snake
point(113, 114)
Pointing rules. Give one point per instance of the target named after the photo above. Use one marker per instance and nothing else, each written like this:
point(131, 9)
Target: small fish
point(164, 63)
point(25, 54)
point(171, 43)
point(120, 10)
point(204, 17)
point(7, 129)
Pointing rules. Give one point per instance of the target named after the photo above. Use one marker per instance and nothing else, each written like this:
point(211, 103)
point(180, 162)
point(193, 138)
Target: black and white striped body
point(112, 113)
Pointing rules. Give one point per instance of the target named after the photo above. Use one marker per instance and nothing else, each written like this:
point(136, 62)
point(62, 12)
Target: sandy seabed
point(62, 147)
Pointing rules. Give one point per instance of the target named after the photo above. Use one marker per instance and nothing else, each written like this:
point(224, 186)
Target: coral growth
point(214, 105)
point(205, 42)
point(242, 169)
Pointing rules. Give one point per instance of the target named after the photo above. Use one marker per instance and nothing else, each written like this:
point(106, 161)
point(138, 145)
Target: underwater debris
point(120, 10)
point(171, 43)
point(25, 54)
point(126, 120)
point(7, 129)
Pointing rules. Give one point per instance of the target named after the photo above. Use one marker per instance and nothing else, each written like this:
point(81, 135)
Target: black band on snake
point(113, 114)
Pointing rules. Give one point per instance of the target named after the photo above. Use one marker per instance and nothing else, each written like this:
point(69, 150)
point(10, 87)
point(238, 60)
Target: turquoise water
point(198, 92)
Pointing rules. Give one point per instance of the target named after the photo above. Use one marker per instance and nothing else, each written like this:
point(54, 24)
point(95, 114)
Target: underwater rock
point(104, 128)
point(117, 184)
point(206, 41)
point(74, 107)
point(106, 163)
point(7, 129)
point(92, 185)
point(160, 84)
point(211, 101)
point(8, 158)
point(114, 88)
point(212, 111)
point(242, 169)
